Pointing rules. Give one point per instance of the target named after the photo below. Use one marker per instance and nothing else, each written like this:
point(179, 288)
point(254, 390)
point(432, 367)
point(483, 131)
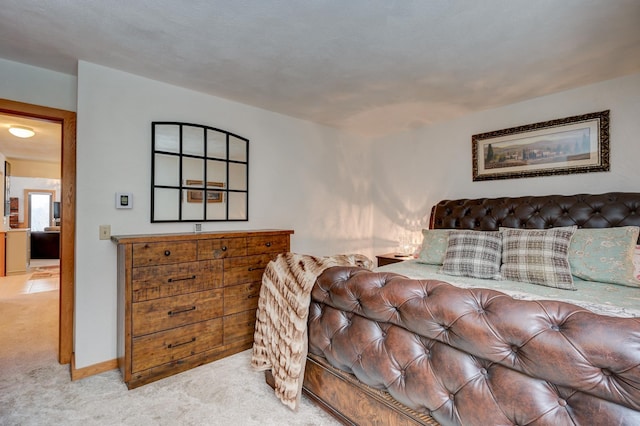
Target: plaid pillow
point(538, 256)
point(473, 254)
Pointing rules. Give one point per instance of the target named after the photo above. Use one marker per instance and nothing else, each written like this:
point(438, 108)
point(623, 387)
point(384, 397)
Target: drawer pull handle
point(172, 280)
point(172, 313)
point(167, 253)
point(251, 296)
point(224, 248)
point(255, 268)
point(175, 345)
point(268, 244)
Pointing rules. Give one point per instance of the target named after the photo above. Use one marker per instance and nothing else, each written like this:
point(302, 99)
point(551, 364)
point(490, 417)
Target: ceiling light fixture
point(21, 131)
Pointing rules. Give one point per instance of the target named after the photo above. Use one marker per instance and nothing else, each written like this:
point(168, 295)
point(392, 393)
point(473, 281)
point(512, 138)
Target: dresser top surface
point(181, 236)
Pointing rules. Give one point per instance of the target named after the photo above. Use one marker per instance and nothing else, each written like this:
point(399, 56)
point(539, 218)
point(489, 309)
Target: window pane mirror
point(198, 174)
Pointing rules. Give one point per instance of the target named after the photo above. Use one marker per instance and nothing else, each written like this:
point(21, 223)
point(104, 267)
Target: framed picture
point(199, 183)
point(196, 196)
point(578, 144)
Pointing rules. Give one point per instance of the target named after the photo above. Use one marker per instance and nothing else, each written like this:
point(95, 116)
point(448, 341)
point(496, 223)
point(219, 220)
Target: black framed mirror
point(198, 174)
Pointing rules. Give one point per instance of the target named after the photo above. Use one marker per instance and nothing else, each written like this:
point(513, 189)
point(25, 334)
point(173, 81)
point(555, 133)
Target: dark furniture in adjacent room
point(45, 245)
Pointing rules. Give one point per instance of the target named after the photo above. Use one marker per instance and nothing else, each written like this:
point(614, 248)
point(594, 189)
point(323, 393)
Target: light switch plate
point(105, 232)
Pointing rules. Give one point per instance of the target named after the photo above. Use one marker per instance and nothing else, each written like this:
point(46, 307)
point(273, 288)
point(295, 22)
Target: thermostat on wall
point(124, 200)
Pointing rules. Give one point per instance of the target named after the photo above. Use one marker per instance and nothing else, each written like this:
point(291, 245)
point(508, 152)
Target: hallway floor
point(41, 276)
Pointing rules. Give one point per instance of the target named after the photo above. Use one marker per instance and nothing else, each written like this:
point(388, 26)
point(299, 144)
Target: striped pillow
point(473, 254)
point(538, 256)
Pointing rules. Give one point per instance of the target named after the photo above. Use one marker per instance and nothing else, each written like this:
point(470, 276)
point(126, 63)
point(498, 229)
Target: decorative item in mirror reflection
point(191, 182)
point(195, 196)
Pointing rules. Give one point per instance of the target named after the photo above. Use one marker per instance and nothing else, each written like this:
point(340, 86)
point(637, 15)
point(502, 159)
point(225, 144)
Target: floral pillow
point(434, 244)
point(538, 256)
point(473, 254)
point(605, 255)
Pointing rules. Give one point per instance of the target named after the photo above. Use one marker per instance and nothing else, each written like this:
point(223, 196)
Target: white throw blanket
point(280, 339)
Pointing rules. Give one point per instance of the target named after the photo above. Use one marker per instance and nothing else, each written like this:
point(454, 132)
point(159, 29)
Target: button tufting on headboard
point(539, 212)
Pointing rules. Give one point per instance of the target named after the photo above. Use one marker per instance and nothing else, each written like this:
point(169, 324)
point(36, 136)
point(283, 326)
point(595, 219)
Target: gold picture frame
point(192, 182)
point(196, 196)
point(578, 144)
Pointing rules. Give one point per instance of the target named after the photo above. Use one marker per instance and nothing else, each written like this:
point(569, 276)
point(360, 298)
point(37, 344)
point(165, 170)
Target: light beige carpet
point(36, 390)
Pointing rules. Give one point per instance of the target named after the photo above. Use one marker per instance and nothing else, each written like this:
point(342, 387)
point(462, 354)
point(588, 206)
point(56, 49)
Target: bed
point(402, 345)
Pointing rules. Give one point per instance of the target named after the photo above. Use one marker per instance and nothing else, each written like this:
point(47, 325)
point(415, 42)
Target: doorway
point(67, 120)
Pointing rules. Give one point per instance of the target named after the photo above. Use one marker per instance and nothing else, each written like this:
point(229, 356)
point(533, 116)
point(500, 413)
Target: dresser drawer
point(153, 282)
point(239, 327)
point(241, 270)
point(221, 248)
point(163, 314)
point(166, 346)
point(267, 244)
point(162, 253)
point(241, 297)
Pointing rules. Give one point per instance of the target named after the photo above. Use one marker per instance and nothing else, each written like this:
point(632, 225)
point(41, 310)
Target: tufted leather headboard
point(539, 212)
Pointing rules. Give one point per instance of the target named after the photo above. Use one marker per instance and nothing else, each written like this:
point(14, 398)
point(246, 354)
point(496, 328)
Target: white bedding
point(601, 298)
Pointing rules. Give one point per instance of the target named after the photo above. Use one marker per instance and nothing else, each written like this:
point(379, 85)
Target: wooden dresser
point(188, 299)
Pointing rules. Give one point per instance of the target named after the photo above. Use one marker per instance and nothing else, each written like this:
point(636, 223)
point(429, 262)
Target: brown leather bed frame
point(352, 402)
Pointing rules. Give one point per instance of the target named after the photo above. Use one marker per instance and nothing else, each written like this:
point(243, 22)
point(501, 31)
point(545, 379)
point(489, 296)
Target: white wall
point(302, 176)
point(415, 170)
point(37, 86)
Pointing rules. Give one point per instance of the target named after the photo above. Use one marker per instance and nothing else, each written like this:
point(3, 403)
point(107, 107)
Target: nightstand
point(389, 258)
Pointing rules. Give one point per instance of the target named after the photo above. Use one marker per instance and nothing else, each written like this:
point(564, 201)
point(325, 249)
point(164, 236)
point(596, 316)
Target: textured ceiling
point(370, 66)
point(45, 145)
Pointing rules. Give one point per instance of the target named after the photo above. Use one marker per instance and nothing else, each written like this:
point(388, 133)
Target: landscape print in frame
point(578, 144)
